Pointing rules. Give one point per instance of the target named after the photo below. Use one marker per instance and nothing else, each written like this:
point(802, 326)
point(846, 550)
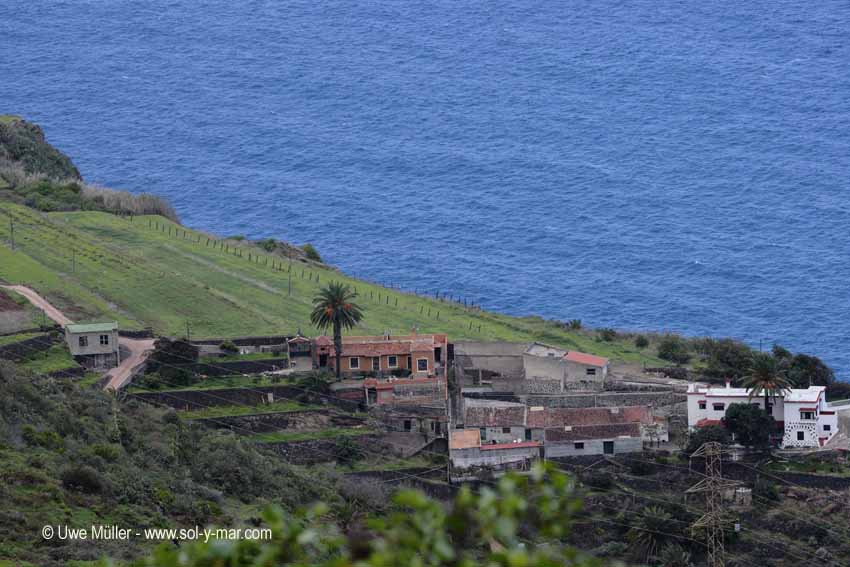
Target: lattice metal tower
point(713, 485)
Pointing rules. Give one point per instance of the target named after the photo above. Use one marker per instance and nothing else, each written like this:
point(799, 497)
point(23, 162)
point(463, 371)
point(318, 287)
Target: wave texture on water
point(639, 165)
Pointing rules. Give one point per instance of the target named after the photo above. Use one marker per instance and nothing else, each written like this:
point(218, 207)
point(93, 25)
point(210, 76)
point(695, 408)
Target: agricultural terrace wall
point(236, 367)
point(293, 420)
point(325, 450)
point(27, 348)
point(200, 399)
point(246, 341)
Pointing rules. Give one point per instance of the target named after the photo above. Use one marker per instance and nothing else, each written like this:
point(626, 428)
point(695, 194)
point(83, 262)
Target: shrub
point(765, 489)
point(44, 438)
point(229, 347)
point(728, 359)
point(641, 341)
point(751, 425)
point(674, 555)
point(574, 324)
point(607, 334)
point(109, 452)
point(311, 252)
point(706, 434)
point(268, 244)
point(640, 467)
point(674, 349)
point(82, 478)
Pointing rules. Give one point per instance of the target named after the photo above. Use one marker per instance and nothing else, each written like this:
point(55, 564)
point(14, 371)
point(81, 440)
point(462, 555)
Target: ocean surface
point(642, 165)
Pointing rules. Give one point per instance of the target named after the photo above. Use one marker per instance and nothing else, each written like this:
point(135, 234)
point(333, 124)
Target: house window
point(432, 426)
point(702, 405)
point(104, 339)
point(410, 362)
point(422, 364)
point(591, 372)
point(578, 445)
point(801, 436)
point(719, 407)
point(392, 361)
point(84, 341)
point(407, 425)
point(827, 427)
point(807, 415)
point(483, 433)
point(506, 430)
point(354, 362)
point(376, 363)
point(528, 435)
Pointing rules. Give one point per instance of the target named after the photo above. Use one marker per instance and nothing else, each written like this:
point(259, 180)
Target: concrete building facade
point(94, 345)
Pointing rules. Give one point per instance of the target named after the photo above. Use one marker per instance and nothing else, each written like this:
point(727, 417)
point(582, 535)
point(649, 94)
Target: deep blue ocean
point(642, 165)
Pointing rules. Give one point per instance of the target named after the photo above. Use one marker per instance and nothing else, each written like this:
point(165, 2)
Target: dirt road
point(120, 375)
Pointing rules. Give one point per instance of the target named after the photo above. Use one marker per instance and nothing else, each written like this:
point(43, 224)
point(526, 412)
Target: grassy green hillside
point(101, 266)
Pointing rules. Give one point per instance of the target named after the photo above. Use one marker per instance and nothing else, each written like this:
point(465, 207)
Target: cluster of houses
point(515, 402)
point(500, 435)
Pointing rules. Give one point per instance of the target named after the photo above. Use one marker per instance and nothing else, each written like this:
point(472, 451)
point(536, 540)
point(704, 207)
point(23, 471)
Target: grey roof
point(91, 327)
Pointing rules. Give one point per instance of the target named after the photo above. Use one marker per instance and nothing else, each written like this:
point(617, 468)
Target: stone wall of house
point(593, 447)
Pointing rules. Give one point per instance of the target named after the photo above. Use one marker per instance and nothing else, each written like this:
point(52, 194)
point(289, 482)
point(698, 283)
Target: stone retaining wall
point(29, 347)
point(293, 420)
point(200, 399)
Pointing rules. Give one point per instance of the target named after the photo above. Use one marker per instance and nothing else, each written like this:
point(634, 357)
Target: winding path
point(120, 375)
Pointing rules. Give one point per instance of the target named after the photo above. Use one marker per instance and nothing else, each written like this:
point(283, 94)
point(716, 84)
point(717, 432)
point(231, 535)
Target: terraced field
point(148, 271)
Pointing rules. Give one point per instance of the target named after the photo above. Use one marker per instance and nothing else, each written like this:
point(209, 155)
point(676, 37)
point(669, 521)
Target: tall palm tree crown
point(765, 378)
point(334, 307)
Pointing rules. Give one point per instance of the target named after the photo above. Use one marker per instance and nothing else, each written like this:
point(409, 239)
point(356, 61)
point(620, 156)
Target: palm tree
point(334, 308)
point(765, 378)
point(650, 530)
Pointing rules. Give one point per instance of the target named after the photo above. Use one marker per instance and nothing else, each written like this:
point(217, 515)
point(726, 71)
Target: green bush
point(641, 341)
point(82, 478)
point(42, 438)
point(229, 347)
point(574, 324)
point(765, 489)
point(311, 252)
point(674, 349)
point(607, 334)
point(268, 244)
point(706, 434)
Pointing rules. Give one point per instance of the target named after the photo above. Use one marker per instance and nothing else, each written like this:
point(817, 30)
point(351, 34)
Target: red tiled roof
point(521, 445)
point(584, 358)
point(706, 422)
point(585, 432)
point(554, 417)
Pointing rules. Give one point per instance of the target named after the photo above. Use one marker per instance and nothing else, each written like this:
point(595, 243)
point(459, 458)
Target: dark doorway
point(323, 360)
point(608, 447)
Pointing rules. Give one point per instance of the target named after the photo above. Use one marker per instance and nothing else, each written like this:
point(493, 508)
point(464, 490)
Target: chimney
point(728, 383)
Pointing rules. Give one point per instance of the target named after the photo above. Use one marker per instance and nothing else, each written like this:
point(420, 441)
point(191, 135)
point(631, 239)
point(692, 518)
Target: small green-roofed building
point(94, 345)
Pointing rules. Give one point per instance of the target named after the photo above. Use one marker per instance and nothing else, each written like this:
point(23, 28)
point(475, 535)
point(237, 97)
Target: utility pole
point(713, 485)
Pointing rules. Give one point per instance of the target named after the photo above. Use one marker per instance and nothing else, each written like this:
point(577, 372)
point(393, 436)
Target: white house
point(805, 416)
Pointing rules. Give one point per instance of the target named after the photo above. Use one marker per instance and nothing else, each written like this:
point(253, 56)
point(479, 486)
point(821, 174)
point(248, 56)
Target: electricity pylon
point(713, 485)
